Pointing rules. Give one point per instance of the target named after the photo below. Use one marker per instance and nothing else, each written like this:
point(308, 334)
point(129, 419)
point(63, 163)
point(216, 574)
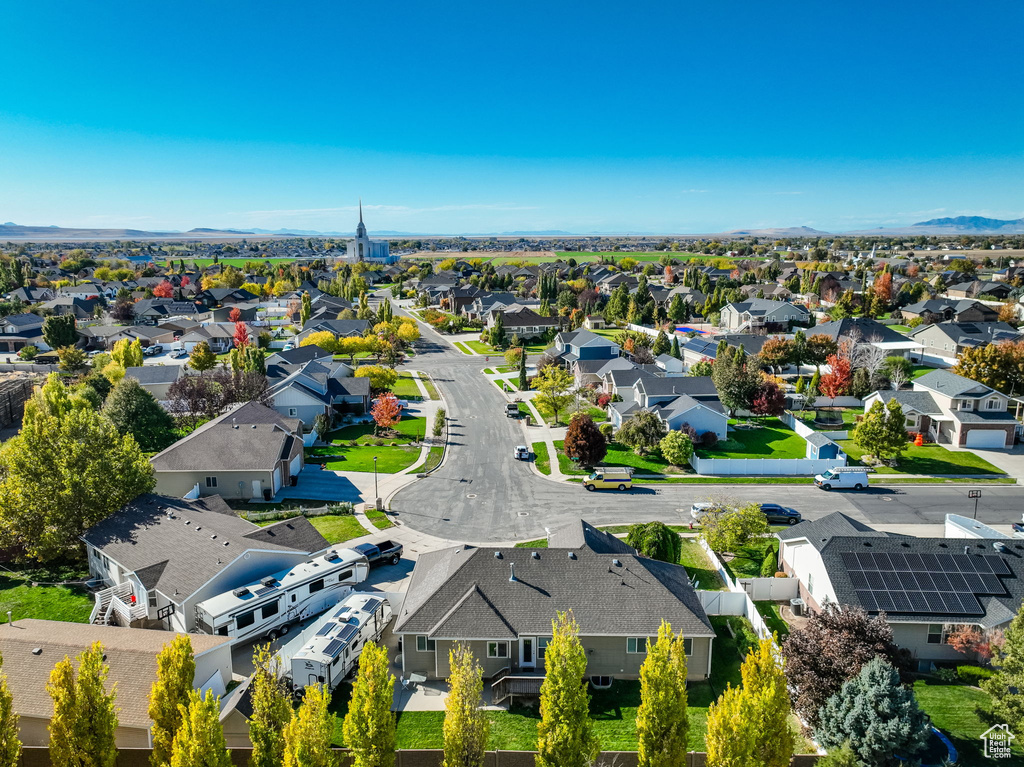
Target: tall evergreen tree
point(565, 734)
point(200, 739)
point(169, 697)
point(307, 737)
point(675, 351)
point(523, 380)
point(84, 716)
point(10, 744)
point(662, 720)
point(498, 339)
point(369, 726)
point(661, 344)
point(466, 726)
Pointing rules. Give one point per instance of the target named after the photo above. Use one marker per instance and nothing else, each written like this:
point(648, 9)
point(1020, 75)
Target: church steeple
point(361, 228)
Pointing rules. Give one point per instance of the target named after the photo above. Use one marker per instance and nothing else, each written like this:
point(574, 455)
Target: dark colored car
point(780, 515)
point(387, 552)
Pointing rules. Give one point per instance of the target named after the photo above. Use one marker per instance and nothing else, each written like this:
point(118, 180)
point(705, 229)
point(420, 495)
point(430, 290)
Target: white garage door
point(986, 438)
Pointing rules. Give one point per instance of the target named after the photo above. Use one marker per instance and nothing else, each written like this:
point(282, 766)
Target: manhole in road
point(471, 495)
point(886, 498)
point(524, 513)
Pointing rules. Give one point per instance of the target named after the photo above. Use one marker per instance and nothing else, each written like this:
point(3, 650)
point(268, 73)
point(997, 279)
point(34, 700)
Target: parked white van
point(843, 477)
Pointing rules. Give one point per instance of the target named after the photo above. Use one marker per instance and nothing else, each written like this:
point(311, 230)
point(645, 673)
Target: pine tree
point(271, 710)
point(565, 734)
point(466, 726)
point(307, 737)
point(369, 726)
point(661, 344)
point(876, 714)
point(498, 339)
point(662, 722)
point(675, 351)
point(84, 716)
point(200, 739)
point(175, 673)
point(1007, 686)
point(523, 380)
point(305, 310)
point(729, 741)
point(10, 744)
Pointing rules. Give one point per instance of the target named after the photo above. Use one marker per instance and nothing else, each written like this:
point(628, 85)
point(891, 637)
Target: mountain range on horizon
point(975, 225)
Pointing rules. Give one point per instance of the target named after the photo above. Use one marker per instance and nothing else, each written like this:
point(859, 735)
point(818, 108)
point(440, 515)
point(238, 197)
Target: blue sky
point(494, 116)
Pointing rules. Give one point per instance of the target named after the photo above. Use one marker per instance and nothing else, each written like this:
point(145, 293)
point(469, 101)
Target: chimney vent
point(512, 570)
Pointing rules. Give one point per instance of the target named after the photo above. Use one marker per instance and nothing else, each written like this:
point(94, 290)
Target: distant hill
point(789, 231)
point(12, 231)
point(975, 225)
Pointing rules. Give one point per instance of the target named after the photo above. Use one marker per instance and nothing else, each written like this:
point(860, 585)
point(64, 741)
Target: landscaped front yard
point(620, 455)
point(961, 712)
point(769, 438)
point(746, 560)
point(338, 527)
point(55, 603)
point(849, 419)
point(405, 388)
point(390, 460)
point(410, 428)
point(927, 459)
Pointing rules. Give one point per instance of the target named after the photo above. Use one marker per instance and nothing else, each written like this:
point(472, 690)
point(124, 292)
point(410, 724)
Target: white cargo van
point(843, 477)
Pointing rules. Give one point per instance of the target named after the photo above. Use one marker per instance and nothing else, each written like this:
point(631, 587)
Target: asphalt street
point(481, 494)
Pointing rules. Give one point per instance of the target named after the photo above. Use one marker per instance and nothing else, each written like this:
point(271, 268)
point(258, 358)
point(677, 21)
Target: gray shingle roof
point(179, 555)
point(465, 592)
point(156, 374)
point(582, 533)
point(819, 531)
point(696, 386)
point(919, 401)
point(949, 384)
point(867, 329)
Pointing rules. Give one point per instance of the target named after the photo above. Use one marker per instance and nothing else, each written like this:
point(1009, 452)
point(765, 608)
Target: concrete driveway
point(1011, 461)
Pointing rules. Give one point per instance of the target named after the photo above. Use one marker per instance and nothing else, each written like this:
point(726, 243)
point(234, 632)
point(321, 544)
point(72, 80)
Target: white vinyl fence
point(764, 467)
point(805, 431)
point(737, 600)
point(775, 589)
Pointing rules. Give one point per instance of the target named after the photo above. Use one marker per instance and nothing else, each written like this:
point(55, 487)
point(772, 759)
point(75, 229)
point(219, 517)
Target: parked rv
point(336, 640)
point(269, 607)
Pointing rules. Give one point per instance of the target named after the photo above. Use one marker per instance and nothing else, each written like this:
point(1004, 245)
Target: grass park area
point(45, 601)
point(770, 438)
point(541, 459)
point(620, 455)
point(928, 459)
point(962, 714)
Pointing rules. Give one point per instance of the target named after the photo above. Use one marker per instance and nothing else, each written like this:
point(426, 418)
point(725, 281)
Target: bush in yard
point(709, 440)
point(28, 352)
point(676, 448)
point(513, 356)
point(322, 426)
point(770, 565)
point(133, 410)
point(602, 400)
point(584, 442)
point(728, 526)
point(1007, 685)
point(832, 648)
point(655, 540)
point(690, 432)
point(440, 418)
point(876, 715)
point(843, 756)
point(973, 675)
point(607, 430)
point(642, 432)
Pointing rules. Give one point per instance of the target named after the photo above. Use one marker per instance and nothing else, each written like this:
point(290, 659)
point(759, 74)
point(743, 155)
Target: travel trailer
point(269, 607)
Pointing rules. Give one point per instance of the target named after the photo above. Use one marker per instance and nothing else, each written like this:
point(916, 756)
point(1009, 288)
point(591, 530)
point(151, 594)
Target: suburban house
point(161, 556)
point(153, 310)
point(949, 310)
point(251, 451)
point(299, 355)
point(865, 330)
point(953, 410)
point(220, 336)
point(20, 330)
point(584, 345)
point(522, 321)
point(157, 379)
point(220, 296)
point(340, 328)
point(761, 312)
point(974, 288)
point(31, 648)
point(306, 390)
point(676, 400)
point(943, 342)
point(502, 601)
point(587, 372)
point(925, 586)
point(705, 347)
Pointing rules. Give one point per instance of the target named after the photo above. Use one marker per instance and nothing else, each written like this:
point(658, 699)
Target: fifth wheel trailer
point(269, 607)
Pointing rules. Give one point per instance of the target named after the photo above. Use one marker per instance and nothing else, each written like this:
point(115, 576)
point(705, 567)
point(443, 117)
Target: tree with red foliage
point(584, 443)
point(670, 277)
point(235, 315)
point(883, 288)
point(768, 400)
point(164, 290)
point(241, 334)
point(386, 411)
point(185, 281)
point(837, 383)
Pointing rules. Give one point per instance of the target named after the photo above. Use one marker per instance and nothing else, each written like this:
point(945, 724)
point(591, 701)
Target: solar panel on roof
point(941, 582)
point(867, 562)
point(963, 563)
point(325, 629)
point(946, 563)
point(975, 584)
point(333, 647)
point(924, 582)
point(999, 567)
point(876, 580)
point(885, 601)
point(936, 604)
point(899, 562)
point(918, 603)
point(851, 561)
point(957, 582)
point(859, 579)
point(930, 562)
point(867, 600)
point(265, 590)
point(907, 581)
point(372, 604)
point(915, 563)
point(901, 600)
point(991, 585)
point(983, 565)
point(882, 563)
point(971, 604)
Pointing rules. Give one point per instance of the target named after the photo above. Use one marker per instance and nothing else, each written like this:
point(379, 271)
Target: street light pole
point(376, 495)
point(975, 494)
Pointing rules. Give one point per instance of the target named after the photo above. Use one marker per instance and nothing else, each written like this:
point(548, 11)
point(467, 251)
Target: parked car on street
point(700, 508)
point(780, 515)
point(511, 410)
point(843, 477)
point(609, 479)
point(521, 453)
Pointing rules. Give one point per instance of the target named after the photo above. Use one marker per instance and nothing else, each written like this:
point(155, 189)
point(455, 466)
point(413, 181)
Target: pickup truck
point(511, 410)
point(379, 553)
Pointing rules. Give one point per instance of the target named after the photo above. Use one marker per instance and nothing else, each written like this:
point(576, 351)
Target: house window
point(542, 646)
point(317, 585)
point(688, 646)
point(424, 644)
point(911, 421)
point(936, 633)
point(293, 411)
point(810, 584)
point(966, 404)
point(211, 482)
point(497, 649)
point(992, 404)
point(636, 645)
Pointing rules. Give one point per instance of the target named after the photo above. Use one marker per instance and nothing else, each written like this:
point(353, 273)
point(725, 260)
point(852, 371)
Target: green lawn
point(389, 459)
point(542, 460)
point(508, 369)
point(405, 388)
point(338, 527)
point(379, 519)
point(565, 415)
point(480, 347)
point(849, 419)
point(747, 560)
point(928, 459)
point(239, 262)
point(695, 560)
point(916, 371)
point(433, 459)
point(900, 328)
point(772, 617)
point(961, 713)
point(410, 428)
point(772, 440)
point(620, 455)
point(55, 603)
point(524, 410)
point(461, 347)
point(429, 386)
